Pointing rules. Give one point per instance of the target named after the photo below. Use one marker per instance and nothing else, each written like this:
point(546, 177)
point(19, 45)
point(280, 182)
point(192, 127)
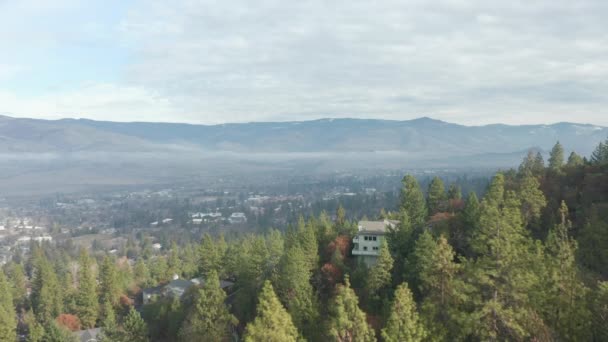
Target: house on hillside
point(369, 238)
point(176, 289)
point(88, 335)
point(237, 218)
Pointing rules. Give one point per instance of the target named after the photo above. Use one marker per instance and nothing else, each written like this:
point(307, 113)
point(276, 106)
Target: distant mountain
point(422, 137)
point(47, 156)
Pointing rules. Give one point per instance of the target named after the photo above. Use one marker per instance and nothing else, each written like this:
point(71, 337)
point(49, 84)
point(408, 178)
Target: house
point(176, 288)
point(369, 238)
point(89, 335)
point(237, 218)
point(157, 246)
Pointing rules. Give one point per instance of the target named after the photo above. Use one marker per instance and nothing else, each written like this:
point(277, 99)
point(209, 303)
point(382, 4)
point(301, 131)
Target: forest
point(525, 261)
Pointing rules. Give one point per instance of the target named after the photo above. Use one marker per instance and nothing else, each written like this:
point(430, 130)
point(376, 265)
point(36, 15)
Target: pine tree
point(210, 255)
point(8, 319)
point(593, 239)
point(135, 328)
point(454, 192)
point(16, 275)
point(600, 154)
point(538, 168)
point(47, 296)
point(403, 324)
point(600, 312)
point(575, 160)
point(109, 327)
point(252, 270)
point(35, 330)
point(380, 274)
point(141, 272)
point(532, 199)
point(567, 311)
point(86, 298)
point(174, 262)
point(295, 290)
point(108, 282)
point(347, 321)
point(272, 322)
point(556, 157)
point(208, 318)
point(501, 275)
point(340, 218)
point(56, 333)
point(412, 201)
point(307, 240)
point(436, 196)
point(421, 261)
point(443, 292)
point(471, 212)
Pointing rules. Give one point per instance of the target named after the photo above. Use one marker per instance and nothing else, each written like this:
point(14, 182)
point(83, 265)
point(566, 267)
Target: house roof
point(89, 335)
point(377, 227)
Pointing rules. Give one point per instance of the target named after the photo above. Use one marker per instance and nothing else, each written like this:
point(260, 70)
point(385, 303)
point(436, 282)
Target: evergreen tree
point(380, 274)
point(593, 239)
point(347, 321)
point(295, 290)
point(35, 330)
point(501, 275)
point(443, 292)
point(16, 275)
point(340, 218)
point(556, 157)
point(420, 261)
point(471, 212)
point(109, 327)
point(436, 196)
point(210, 255)
point(539, 165)
point(403, 324)
point(141, 272)
point(276, 246)
point(567, 312)
point(600, 154)
point(252, 270)
point(307, 240)
point(575, 160)
point(600, 312)
point(532, 199)
point(209, 318)
point(47, 296)
point(108, 282)
point(173, 261)
point(272, 322)
point(454, 192)
point(412, 201)
point(56, 333)
point(86, 298)
point(135, 328)
point(8, 319)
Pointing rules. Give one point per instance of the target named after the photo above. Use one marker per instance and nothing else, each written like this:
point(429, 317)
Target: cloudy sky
point(206, 61)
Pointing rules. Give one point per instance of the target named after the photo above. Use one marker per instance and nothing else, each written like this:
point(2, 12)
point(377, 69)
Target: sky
point(471, 62)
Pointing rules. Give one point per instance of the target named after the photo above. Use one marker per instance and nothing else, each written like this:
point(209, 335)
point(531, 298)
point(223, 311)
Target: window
point(374, 238)
point(375, 248)
point(365, 238)
point(364, 248)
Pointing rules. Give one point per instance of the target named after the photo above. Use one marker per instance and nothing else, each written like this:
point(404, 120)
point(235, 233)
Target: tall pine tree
point(347, 321)
point(272, 322)
point(403, 323)
point(86, 298)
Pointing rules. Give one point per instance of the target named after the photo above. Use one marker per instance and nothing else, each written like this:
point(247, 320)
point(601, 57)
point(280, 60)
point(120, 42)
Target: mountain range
point(423, 136)
point(61, 155)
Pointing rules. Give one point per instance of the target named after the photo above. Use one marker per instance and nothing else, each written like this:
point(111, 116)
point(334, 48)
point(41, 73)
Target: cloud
point(467, 61)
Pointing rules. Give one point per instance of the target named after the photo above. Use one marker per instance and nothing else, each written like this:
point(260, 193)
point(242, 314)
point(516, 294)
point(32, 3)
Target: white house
point(237, 218)
point(369, 238)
